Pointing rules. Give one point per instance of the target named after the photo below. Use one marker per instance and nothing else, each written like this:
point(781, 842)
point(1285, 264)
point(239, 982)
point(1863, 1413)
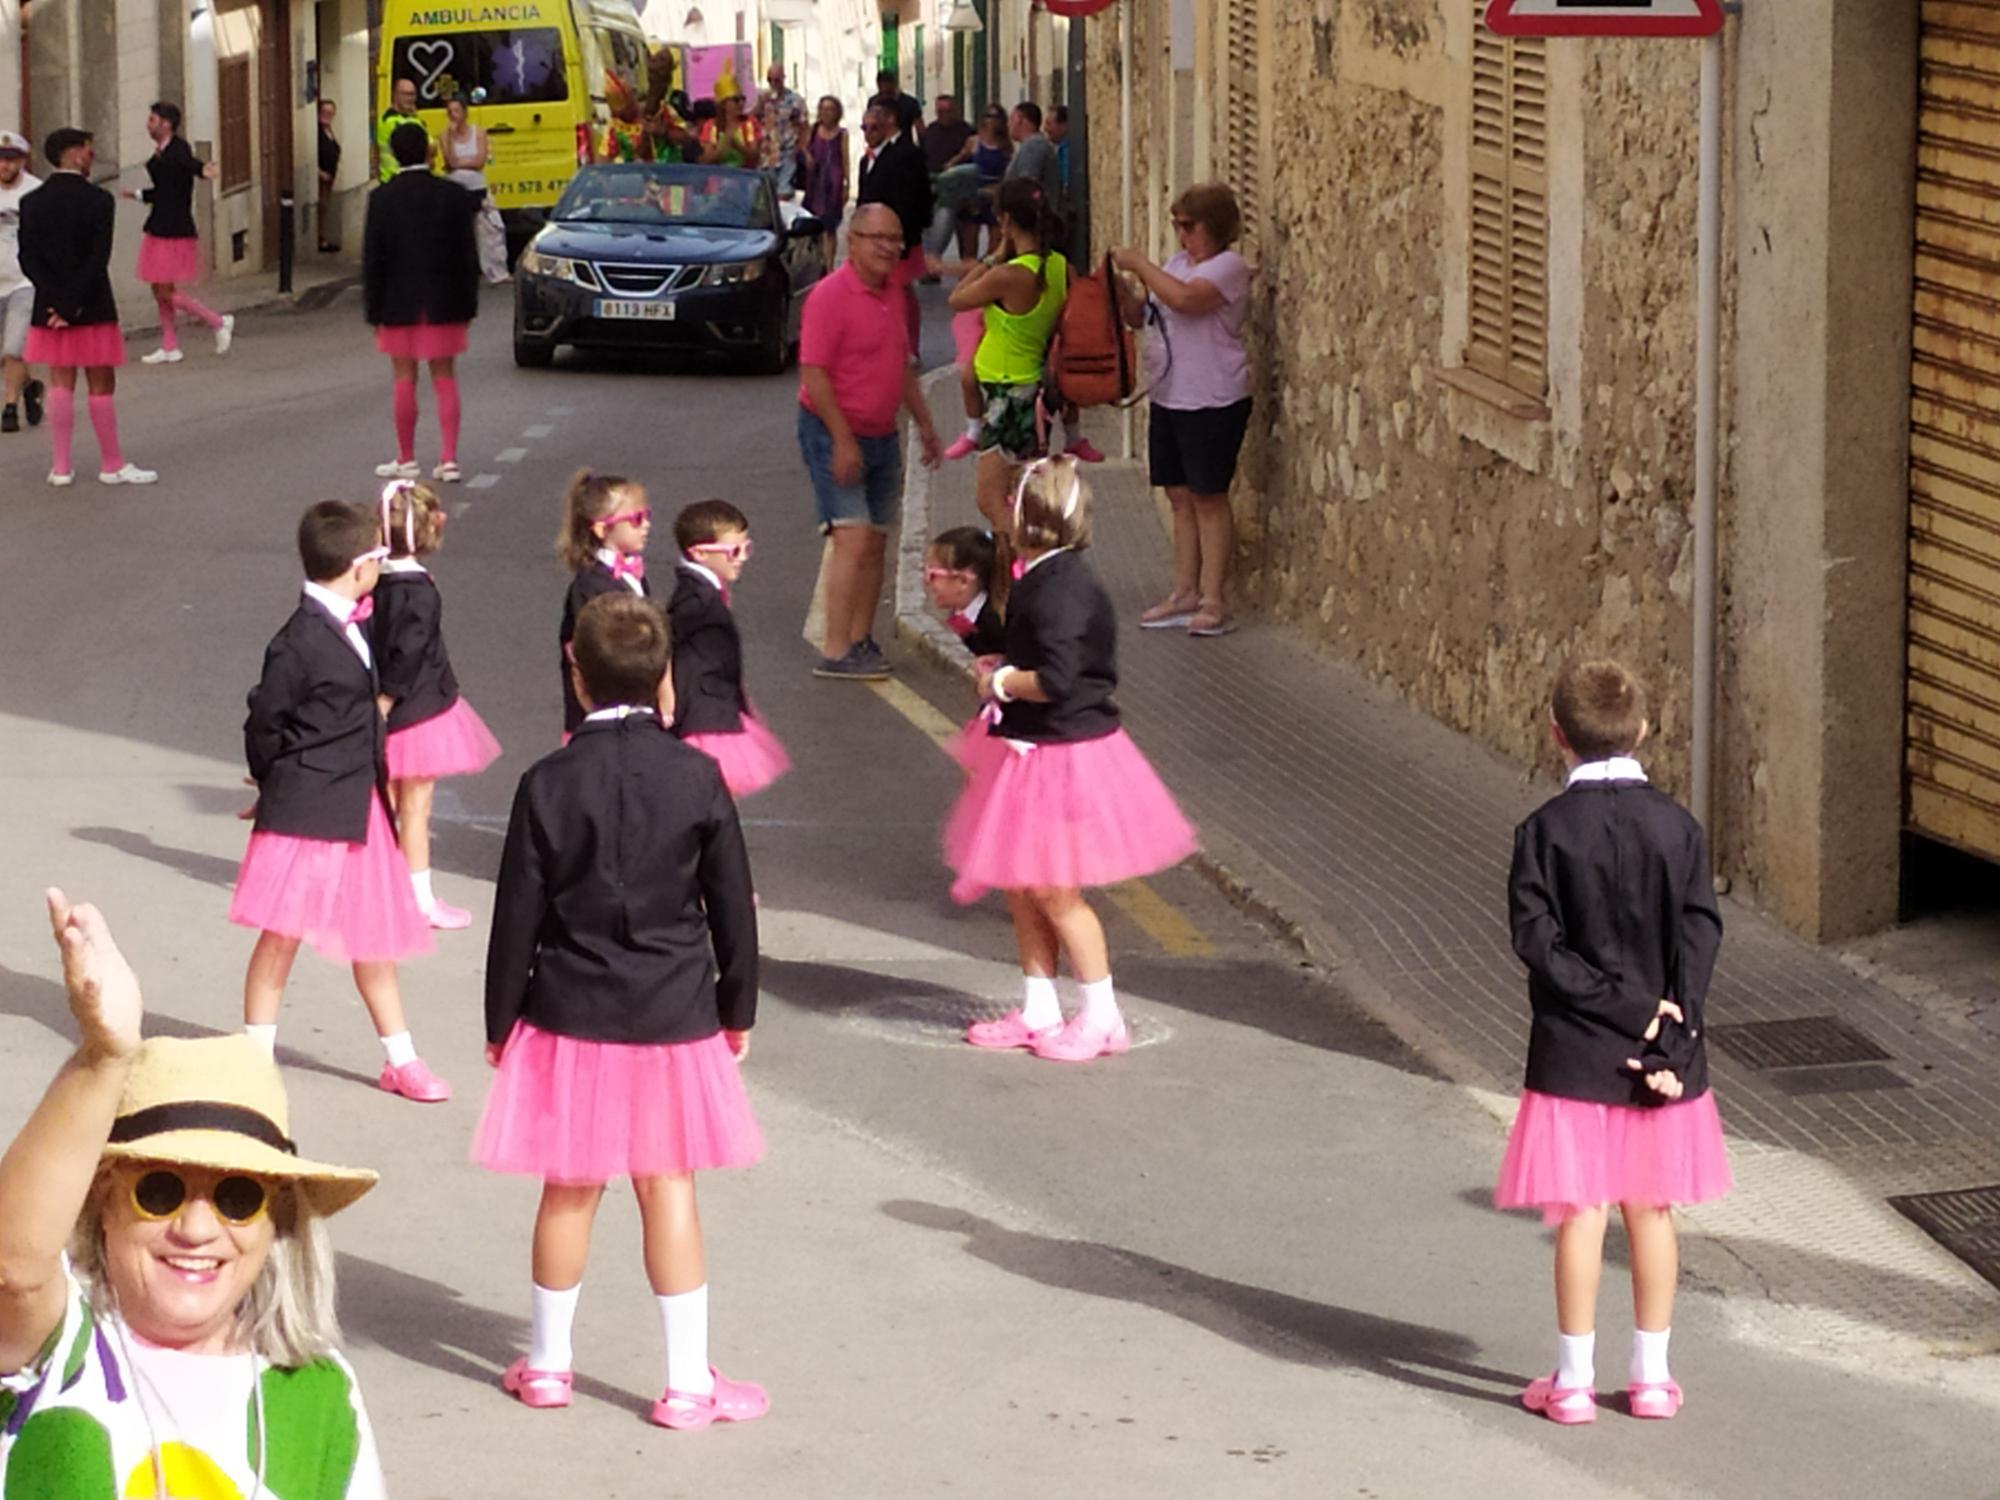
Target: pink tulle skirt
point(1566, 1155)
point(352, 902)
point(572, 1111)
point(967, 329)
point(973, 748)
point(751, 759)
point(175, 260)
point(421, 340)
point(89, 347)
point(453, 743)
point(1093, 812)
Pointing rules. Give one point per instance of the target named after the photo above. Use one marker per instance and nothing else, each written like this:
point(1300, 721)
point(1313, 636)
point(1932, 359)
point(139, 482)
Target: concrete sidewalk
point(1379, 839)
point(316, 281)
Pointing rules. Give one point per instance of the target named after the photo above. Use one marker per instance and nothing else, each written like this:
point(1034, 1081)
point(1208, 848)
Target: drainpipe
point(1128, 422)
point(1707, 430)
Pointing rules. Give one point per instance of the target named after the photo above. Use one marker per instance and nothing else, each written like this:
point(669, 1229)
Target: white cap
point(10, 142)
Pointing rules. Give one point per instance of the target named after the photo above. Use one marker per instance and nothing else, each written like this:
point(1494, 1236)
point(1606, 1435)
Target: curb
point(319, 295)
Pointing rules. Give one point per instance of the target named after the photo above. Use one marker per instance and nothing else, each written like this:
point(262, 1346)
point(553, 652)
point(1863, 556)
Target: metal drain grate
point(1844, 1079)
point(1966, 1222)
point(1809, 1042)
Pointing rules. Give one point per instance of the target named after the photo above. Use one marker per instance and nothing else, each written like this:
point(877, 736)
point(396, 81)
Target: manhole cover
point(1810, 1042)
point(940, 1020)
point(1966, 1222)
point(1844, 1079)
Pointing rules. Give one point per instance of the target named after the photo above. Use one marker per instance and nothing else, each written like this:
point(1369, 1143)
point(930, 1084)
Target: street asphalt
point(1253, 1257)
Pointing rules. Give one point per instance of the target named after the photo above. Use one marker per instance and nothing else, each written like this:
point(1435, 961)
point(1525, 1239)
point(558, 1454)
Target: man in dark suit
point(896, 174)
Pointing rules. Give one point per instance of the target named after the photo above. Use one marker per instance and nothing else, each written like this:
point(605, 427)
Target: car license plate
point(648, 312)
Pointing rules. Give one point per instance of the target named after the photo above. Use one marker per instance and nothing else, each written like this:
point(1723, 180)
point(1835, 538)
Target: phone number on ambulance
point(528, 188)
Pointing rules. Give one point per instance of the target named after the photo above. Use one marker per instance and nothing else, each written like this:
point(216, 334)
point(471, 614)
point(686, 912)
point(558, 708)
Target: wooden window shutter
point(1242, 154)
point(232, 78)
point(1510, 211)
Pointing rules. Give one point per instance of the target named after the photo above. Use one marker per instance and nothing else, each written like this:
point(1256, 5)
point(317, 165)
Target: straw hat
point(219, 1102)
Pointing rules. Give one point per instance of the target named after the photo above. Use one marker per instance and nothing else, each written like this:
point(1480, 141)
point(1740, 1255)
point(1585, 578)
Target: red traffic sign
point(1604, 17)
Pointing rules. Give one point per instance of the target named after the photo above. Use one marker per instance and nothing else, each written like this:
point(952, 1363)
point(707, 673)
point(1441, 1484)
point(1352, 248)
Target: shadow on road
point(1273, 1323)
point(210, 869)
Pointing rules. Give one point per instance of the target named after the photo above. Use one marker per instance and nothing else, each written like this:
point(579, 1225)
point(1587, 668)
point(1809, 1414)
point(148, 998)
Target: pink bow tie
point(1019, 570)
point(960, 625)
point(363, 612)
point(629, 567)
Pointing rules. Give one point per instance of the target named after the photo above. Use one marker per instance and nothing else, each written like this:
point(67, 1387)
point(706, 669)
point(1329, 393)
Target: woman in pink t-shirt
point(1200, 398)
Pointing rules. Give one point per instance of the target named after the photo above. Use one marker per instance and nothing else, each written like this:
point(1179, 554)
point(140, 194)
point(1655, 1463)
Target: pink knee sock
point(104, 417)
point(168, 338)
point(446, 387)
point(184, 303)
point(406, 421)
point(62, 425)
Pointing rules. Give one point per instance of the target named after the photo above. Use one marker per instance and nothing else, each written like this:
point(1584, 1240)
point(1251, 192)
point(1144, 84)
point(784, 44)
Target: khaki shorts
point(17, 309)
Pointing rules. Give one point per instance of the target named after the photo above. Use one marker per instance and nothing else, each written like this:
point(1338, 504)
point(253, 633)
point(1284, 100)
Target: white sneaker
point(162, 357)
point(394, 469)
point(130, 474)
point(226, 334)
point(61, 481)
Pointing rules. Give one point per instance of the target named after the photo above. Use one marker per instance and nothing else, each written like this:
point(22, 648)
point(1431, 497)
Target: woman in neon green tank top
point(1022, 287)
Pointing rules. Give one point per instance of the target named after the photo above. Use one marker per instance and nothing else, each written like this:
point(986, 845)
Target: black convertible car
point(663, 256)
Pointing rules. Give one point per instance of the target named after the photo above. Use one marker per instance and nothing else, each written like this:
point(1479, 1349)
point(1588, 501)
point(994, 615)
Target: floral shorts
point(1008, 422)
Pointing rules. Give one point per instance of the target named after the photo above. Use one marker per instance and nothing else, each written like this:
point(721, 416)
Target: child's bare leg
point(679, 1274)
point(383, 995)
point(1579, 1268)
point(562, 1247)
point(1033, 935)
point(1078, 930)
point(968, 387)
point(412, 801)
point(1656, 1265)
point(264, 982)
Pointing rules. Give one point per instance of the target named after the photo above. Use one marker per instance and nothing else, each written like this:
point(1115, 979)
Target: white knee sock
point(420, 882)
point(554, 1316)
point(972, 426)
point(399, 1049)
point(1576, 1361)
point(265, 1037)
point(1100, 1005)
point(1040, 1009)
point(1649, 1357)
point(684, 1320)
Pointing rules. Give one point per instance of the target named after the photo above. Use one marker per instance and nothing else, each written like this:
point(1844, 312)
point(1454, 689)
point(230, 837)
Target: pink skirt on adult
point(453, 743)
point(421, 340)
point(751, 759)
point(91, 346)
point(1087, 813)
point(1567, 1155)
point(573, 1111)
point(351, 902)
point(169, 260)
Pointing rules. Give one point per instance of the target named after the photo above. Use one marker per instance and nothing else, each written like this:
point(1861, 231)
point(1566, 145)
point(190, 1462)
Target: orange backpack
point(1091, 359)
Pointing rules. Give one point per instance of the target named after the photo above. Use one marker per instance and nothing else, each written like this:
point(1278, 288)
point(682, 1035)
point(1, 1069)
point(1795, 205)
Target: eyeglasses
point(882, 234)
point(935, 575)
point(160, 1194)
point(636, 517)
point(734, 551)
point(1182, 226)
point(373, 554)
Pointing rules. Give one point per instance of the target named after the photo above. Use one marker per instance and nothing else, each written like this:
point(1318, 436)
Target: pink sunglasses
point(932, 575)
point(734, 551)
point(636, 517)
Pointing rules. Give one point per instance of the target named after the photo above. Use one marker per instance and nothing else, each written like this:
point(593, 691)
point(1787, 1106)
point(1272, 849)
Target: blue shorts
point(876, 501)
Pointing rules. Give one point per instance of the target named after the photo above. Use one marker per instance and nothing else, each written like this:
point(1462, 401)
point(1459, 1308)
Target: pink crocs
point(1077, 1043)
point(541, 1389)
point(1569, 1407)
point(1008, 1032)
point(414, 1080)
point(445, 917)
point(730, 1401)
point(961, 447)
point(1656, 1401)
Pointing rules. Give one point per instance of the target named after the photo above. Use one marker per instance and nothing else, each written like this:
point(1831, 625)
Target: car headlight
point(534, 263)
point(734, 273)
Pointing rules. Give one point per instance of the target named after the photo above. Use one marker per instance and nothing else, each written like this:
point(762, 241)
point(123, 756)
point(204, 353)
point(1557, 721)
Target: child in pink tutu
point(1613, 911)
point(711, 710)
point(621, 985)
point(602, 541)
point(433, 732)
point(322, 866)
point(963, 579)
point(1072, 802)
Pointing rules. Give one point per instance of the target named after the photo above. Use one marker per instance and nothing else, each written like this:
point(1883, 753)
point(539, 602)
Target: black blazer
point(624, 910)
point(1060, 626)
point(66, 229)
point(1613, 909)
point(708, 658)
point(407, 637)
point(899, 178)
point(174, 170)
point(590, 581)
point(314, 735)
point(986, 633)
point(418, 260)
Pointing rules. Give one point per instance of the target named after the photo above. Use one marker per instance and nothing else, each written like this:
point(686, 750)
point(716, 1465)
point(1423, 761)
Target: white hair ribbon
point(390, 491)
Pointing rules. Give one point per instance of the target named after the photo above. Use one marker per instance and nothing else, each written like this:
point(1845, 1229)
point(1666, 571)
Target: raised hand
point(103, 991)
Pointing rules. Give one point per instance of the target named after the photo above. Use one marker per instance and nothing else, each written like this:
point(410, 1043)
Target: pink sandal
point(1007, 1033)
point(1077, 1043)
point(730, 1401)
point(541, 1389)
point(1571, 1407)
point(1656, 1401)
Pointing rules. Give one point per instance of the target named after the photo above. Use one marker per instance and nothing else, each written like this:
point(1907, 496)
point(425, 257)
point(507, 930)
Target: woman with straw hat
point(194, 1303)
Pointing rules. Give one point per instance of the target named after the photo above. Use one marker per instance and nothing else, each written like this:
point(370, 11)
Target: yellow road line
point(1151, 912)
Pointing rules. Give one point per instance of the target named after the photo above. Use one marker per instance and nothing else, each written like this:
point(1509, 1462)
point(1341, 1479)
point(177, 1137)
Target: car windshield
point(639, 193)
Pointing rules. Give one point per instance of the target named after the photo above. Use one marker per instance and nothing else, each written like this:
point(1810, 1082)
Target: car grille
point(646, 281)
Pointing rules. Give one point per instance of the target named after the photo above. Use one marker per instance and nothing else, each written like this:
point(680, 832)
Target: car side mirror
point(805, 227)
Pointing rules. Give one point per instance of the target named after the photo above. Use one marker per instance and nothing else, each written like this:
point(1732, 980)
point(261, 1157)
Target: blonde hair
point(412, 519)
point(1052, 506)
point(288, 1318)
point(590, 497)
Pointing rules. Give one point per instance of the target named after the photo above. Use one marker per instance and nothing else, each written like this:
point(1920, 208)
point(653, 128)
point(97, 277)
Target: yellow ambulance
point(537, 75)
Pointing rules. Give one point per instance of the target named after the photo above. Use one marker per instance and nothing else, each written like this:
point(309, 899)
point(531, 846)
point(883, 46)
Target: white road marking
point(562, 411)
point(539, 430)
point(482, 481)
point(510, 455)
point(458, 511)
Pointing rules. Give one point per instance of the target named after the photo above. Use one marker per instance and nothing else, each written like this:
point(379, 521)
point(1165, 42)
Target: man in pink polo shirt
point(855, 376)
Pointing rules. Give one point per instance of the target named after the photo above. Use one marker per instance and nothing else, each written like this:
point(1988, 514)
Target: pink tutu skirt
point(967, 329)
point(91, 346)
point(751, 759)
point(1093, 812)
point(974, 749)
point(421, 340)
point(453, 743)
point(572, 1111)
point(175, 260)
point(1567, 1155)
point(352, 902)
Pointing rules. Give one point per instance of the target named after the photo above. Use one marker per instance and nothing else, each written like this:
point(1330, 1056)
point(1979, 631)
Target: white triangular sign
point(1604, 17)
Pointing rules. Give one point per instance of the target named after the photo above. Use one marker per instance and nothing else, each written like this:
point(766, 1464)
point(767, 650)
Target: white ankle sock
point(1100, 1005)
point(400, 1049)
point(1649, 1357)
point(265, 1037)
point(1040, 1009)
point(972, 426)
point(1576, 1361)
point(420, 882)
point(684, 1320)
point(554, 1316)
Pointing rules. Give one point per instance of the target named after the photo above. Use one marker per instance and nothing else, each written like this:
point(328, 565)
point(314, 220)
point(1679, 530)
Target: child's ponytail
point(589, 498)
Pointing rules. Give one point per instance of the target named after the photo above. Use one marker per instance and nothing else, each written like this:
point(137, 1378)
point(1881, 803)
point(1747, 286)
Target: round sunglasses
point(162, 1193)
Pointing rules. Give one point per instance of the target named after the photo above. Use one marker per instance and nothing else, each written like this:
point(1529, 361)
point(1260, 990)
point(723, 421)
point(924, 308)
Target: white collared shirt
point(342, 609)
point(1035, 562)
point(695, 567)
point(1617, 768)
point(971, 611)
point(403, 565)
point(611, 557)
point(616, 711)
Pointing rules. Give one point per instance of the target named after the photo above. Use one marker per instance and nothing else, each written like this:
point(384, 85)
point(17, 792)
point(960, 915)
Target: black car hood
point(661, 244)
